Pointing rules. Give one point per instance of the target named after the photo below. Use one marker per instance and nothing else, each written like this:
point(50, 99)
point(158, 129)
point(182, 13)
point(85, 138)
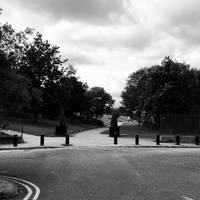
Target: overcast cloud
point(107, 40)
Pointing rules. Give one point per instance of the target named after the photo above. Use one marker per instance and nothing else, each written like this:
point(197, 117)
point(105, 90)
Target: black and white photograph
point(99, 100)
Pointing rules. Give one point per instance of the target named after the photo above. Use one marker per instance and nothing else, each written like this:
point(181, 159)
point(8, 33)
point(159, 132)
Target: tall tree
point(171, 87)
point(101, 102)
point(14, 95)
point(42, 64)
point(13, 43)
point(64, 94)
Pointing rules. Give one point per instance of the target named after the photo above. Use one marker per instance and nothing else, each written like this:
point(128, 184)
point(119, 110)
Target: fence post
point(197, 140)
point(15, 141)
point(158, 139)
point(115, 138)
point(137, 139)
point(178, 140)
point(66, 139)
point(42, 140)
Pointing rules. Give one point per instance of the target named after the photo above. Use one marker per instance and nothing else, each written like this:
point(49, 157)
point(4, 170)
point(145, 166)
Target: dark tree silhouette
point(100, 102)
point(171, 87)
point(42, 64)
point(34, 79)
point(13, 88)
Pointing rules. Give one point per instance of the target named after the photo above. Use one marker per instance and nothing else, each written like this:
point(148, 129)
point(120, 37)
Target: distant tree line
point(172, 87)
point(35, 79)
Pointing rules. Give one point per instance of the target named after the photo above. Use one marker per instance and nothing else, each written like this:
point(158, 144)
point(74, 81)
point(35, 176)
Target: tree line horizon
point(35, 79)
point(169, 88)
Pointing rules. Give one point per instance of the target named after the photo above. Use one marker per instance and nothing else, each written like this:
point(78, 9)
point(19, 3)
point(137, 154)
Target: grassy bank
point(46, 126)
point(129, 130)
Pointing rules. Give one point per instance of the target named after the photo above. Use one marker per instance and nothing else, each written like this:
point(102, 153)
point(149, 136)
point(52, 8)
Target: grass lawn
point(46, 127)
point(129, 130)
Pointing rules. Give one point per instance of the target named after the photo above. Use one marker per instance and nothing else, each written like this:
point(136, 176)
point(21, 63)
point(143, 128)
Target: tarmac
point(90, 138)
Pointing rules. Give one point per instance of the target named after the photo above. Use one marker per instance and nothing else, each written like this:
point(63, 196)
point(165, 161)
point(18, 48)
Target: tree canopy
point(100, 101)
point(13, 88)
point(35, 79)
point(171, 87)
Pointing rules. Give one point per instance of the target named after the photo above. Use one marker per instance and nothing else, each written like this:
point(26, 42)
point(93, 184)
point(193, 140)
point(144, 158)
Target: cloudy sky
point(106, 40)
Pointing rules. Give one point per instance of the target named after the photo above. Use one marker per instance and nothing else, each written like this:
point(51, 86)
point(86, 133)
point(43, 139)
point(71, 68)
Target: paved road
point(108, 173)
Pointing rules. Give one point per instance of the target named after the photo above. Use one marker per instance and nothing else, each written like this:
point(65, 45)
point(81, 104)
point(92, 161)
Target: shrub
point(4, 125)
point(114, 118)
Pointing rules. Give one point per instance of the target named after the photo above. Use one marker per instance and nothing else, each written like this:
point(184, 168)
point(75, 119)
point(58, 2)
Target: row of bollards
point(66, 140)
point(42, 137)
point(177, 139)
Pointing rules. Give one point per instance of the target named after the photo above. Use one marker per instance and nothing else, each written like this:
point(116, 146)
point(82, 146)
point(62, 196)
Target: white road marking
point(27, 188)
point(27, 185)
point(186, 198)
point(37, 189)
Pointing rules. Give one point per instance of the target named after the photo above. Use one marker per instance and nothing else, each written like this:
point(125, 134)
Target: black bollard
point(197, 140)
point(137, 139)
point(66, 139)
point(177, 140)
point(15, 141)
point(42, 140)
point(158, 139)
point(115, 138)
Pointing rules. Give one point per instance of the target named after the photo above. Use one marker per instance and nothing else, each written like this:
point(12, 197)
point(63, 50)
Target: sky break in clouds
point(107, 40)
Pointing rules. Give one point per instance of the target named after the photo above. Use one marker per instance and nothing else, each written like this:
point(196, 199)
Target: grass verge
point(129, 130)
point(46, 127)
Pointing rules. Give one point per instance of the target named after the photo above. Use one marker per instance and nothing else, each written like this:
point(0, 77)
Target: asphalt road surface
point(108, 173)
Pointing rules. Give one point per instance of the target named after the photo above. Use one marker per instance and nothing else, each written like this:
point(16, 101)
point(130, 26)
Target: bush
point(4, 125)
point(98, 122)
point(114, 118)
point(8, 139)
point(93, 121)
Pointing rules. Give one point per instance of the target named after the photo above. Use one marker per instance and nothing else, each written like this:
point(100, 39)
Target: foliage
point(42, 64)
point(13, 43)
point(76, 102)
point(171, 87)
point(4, 125)
point(100, 102)
point(13, 88)
point(34, 79)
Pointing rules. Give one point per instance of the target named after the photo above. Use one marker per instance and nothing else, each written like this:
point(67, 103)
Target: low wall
point(10, 139)
point(172, 139)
